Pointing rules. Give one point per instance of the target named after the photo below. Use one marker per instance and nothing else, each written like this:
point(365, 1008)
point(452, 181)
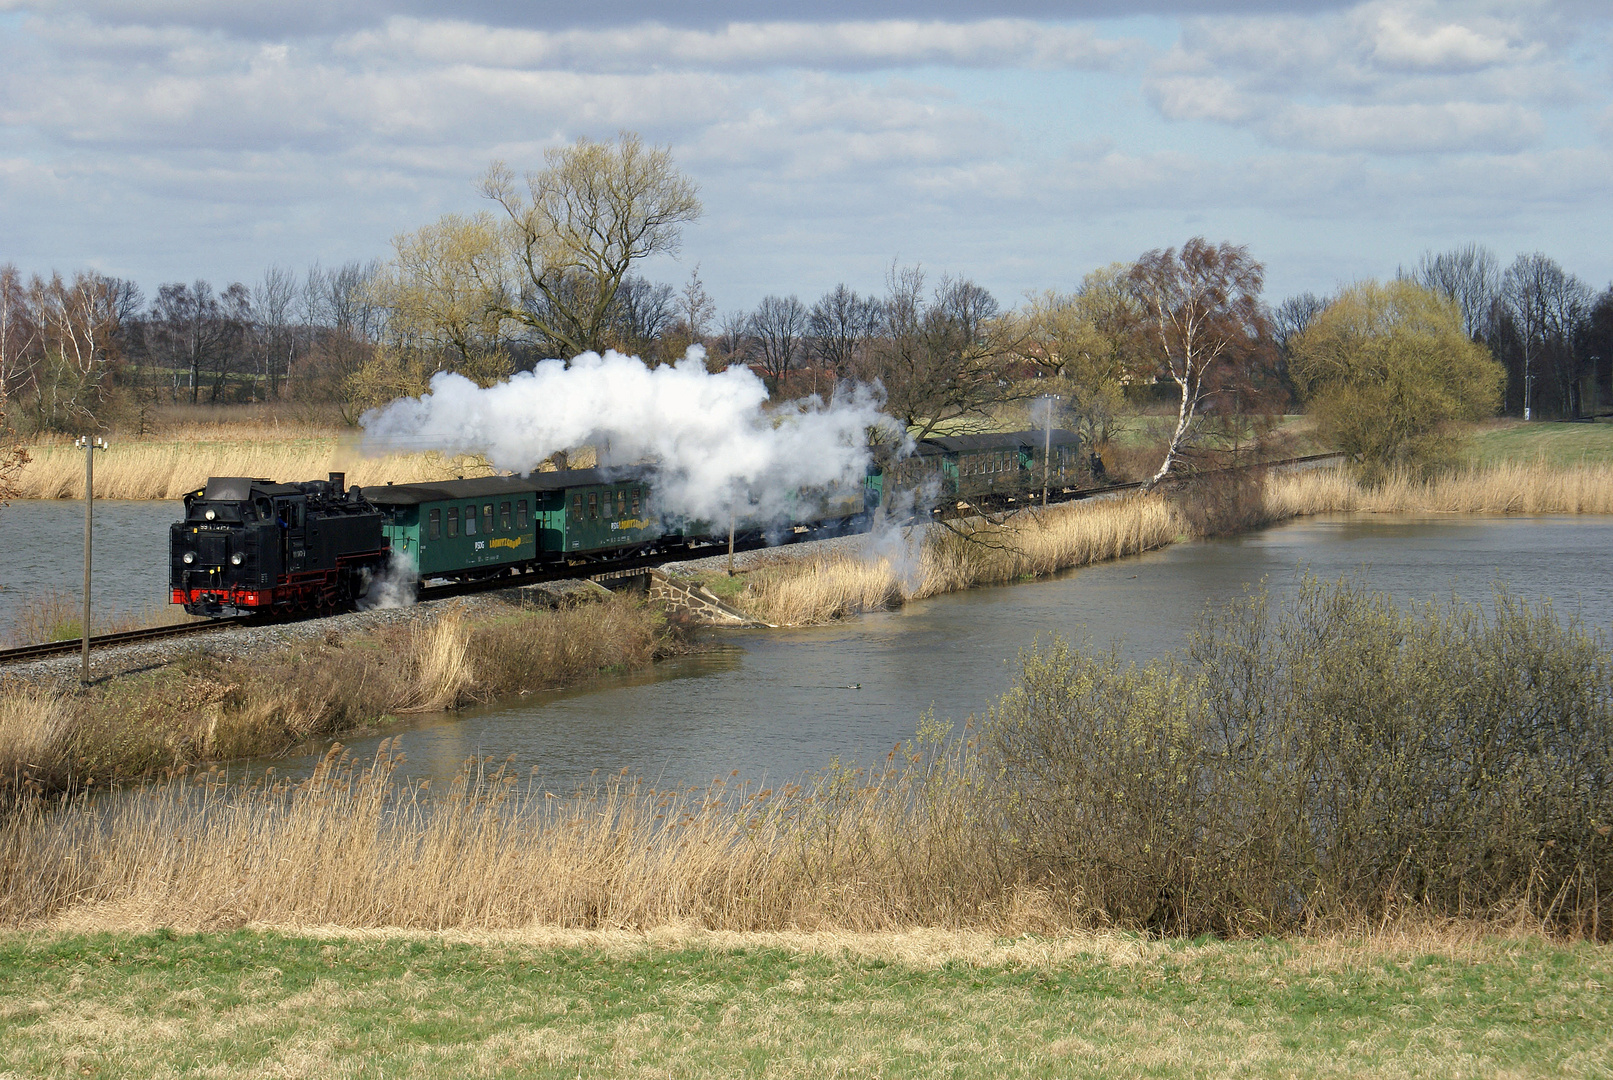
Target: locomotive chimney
point(337, 480)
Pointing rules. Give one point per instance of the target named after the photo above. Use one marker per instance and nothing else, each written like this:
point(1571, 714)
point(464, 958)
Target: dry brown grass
point(1504, 488)
point(205, 708)
point(36, 730)
point(822, 589)
point(168, 468)
point(355, 847)
point(963, 555)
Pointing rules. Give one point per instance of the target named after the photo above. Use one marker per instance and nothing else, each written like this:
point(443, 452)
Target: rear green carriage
point(1009, 464)
point(1002, 465)
point(459, 526)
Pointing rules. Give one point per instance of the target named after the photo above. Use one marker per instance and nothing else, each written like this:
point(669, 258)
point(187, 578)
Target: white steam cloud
point(715, 447)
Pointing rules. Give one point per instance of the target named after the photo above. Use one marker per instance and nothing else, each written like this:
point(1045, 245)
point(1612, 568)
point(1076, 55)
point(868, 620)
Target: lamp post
point(90, 446)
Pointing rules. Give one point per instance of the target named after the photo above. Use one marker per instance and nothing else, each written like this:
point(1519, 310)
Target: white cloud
point(1402, 39)
point(1384, 77)
point(1407, 129)
point(746, 45)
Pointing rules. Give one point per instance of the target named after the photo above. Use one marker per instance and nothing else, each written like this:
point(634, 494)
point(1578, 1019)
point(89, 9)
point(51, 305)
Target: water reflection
point(775, 703)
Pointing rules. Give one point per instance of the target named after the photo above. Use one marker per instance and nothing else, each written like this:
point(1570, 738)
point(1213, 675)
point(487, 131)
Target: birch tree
point(1201, 307)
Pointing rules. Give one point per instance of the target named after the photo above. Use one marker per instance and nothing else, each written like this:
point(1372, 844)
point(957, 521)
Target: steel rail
point(577, 571)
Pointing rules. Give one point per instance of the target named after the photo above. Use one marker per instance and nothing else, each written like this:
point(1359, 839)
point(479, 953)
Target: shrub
point(1338, 758)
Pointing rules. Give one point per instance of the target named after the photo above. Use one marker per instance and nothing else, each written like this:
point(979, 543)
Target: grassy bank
point(206, 707)
point(1546, 442)
point(256, 1003)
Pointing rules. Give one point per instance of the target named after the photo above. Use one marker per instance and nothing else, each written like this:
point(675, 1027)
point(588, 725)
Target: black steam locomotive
point(252, 545)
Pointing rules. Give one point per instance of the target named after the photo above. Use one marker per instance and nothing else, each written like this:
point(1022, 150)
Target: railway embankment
point(161, 708)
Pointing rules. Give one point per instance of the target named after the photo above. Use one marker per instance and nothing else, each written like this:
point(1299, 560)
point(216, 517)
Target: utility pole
point(90, 445)
point(1047, 446)
point(731, 516)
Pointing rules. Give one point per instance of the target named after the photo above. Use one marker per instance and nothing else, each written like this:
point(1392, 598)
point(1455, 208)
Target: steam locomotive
point(249, 545)
point(252, 545)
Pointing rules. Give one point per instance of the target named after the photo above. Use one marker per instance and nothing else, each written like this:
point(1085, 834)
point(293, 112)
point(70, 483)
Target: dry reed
point(168, 469)
point(962, 555)
point(1505, 488)
point(36, 734)
point(206, 708)
point(356, 847)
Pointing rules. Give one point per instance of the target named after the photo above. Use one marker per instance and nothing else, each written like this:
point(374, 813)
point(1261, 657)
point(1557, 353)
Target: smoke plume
point(716, 449)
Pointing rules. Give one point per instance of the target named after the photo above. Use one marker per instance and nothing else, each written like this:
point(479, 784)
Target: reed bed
point(822, 589)
point(1535, 487)
point(960, 556)
point(355, 846)
point(982, 552)
point(169, 468)
point(206, 708)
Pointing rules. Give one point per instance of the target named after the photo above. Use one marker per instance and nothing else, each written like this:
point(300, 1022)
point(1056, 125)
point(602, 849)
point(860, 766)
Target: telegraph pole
point(90, 445)
point(1047, 446)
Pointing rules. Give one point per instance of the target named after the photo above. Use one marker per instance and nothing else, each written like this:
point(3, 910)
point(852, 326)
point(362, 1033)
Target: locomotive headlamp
point(190, 557)
point(210, 515)
point(235, 560)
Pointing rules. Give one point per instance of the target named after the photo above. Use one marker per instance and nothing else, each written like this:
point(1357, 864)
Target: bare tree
point(581, 223)
point(642, 314)
point(1294, 316)
point(695, 307)
point(733, 341)
point(1545, 305)
point(841, 324)
point(941, 358)
point(190, 330)
point(274, 299)
point(1468, 275)
point(13, 456)
point(19, 333)
point(1202, 308)
point(778, 325)
point(78, 324)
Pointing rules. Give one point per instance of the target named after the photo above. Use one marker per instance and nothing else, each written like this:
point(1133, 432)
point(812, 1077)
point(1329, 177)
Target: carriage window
point(576, 507)
point(621, 502)
point(520, 514)
point(504, 516)
point(470, 521)
point(453, 521)
point(593, 505)
point(487, 517)
point(434, 531)
point(635, 502)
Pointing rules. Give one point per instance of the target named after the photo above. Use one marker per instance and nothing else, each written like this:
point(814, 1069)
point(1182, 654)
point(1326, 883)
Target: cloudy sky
point(174, 139)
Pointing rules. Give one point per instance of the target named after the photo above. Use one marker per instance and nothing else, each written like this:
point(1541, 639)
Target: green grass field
point(265, 1004)
point(1546, 440)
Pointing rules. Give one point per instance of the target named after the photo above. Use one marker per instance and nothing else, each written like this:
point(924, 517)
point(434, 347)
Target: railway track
point(578, 571)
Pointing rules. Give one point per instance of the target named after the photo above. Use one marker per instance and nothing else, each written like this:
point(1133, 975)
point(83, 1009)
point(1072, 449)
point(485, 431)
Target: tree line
point(552, 270)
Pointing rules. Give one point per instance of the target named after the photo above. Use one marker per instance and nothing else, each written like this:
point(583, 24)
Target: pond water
point(775, 703)
point(42, 552)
